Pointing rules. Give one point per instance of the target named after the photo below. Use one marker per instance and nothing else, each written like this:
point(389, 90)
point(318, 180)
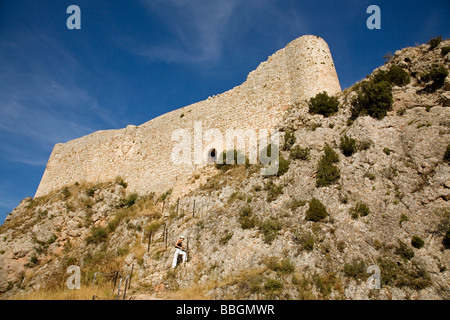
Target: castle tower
point(311, 68)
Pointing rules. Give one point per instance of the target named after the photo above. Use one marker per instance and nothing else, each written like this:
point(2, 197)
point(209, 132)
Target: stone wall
point(141, 155)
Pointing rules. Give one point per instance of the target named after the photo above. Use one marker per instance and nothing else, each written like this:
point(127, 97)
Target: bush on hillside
point(229, 159)
point(395, 75)
point(435, 78)
point(299, 153)
point(323, 104)
point(434, 42)
point(348, 145)
point(327, 172)
point(316, 211)
point(447, 154)
point(373, 98)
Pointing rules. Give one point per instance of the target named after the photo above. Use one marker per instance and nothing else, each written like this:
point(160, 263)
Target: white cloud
point(198, 29)
point(41, 102)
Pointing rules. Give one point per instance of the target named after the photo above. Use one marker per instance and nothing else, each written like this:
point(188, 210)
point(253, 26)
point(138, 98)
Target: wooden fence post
point(149, 241)
point(131, 274)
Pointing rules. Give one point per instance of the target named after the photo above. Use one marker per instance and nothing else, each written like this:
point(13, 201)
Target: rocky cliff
point(353, 191)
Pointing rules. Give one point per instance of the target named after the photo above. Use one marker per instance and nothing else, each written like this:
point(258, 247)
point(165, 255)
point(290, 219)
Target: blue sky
point(135, 60)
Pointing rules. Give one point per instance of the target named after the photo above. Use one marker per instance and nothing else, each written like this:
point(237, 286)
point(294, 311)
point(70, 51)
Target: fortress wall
point(142, 155)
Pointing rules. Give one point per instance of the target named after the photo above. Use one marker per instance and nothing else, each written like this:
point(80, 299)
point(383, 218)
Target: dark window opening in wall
point(212, 155)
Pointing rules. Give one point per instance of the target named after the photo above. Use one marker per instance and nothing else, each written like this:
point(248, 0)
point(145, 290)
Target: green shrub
point(434, 42)
point(395, 75)
point(359, 210)
point(224, 162)
point(316, 211)
point(401, 112)
point(283, 166)
point(356, 269)
point(330, 155)
point(395, 274)
point(436, 76)
point(299, 153)
point(327, 172)
point(224, 240)
point(348, 146)
point(120, 182)
point(247, 218)
point(446, 240)
point(98, 235)
point(306, 240)
point(403, 251)
point(130, 200)
point(269, 229)
point(447, 154)
point(90, 192)
point(387, 151)
point(323, 104)
point(282, 267)
point(273, 190)
point(273, 285)
point(289, 140)
point(166, 195)
point(373, 98)
point(445, 51)
point(417, 242)
point(65, 192)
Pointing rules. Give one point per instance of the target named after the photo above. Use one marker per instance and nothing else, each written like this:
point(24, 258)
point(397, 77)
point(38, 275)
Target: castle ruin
point(141, 155)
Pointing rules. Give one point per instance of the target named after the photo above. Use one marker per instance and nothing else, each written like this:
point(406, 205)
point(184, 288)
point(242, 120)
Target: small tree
point(316, 211)
point(436, 76)
point(447, 154)
point(417, 242)
point(348, 145)
point(289, 140)
point(434, 42)
point(323, 104)
point(373, 98)
point(299, 153)
point(327, 172)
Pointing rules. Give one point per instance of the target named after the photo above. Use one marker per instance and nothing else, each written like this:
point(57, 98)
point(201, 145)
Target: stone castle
point(141, 155)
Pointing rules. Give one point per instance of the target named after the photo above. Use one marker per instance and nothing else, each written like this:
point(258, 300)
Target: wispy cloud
point(41, 102)
point(197, 29)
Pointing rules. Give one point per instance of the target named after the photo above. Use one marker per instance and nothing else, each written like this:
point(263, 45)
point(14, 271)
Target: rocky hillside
point(366, 184)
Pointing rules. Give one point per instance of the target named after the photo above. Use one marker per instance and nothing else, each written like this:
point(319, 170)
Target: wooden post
point(193, 210)
point(187, 250)
point(178, 204)
point(116, 275)
point(125, 288)
point(166, 235)
point(131, 274)
point(149, 241)
point(93, 297)
point(118, 289)
point(93, 280)
point(164, 203)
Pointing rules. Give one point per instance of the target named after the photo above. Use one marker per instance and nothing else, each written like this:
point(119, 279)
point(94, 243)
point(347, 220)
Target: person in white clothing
point(179, 249)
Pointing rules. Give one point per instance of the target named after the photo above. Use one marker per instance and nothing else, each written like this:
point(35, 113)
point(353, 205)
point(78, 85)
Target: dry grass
point(85, 293)
point(199, 291)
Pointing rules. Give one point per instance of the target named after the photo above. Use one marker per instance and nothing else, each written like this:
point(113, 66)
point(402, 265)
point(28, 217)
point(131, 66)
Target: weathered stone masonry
point(141, 155)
